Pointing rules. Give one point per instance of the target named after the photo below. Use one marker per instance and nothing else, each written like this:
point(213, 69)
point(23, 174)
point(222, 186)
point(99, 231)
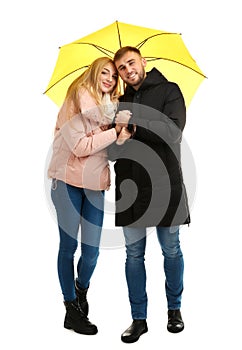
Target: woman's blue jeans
point(79, 213)
point(135, 241)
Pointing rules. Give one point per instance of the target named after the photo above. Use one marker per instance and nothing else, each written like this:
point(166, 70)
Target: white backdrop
point(32, 311)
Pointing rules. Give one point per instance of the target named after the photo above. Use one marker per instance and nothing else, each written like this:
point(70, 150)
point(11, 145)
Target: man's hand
point(123, 136)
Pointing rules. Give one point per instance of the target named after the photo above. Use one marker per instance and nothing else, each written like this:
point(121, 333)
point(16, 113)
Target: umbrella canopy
point(164, 50)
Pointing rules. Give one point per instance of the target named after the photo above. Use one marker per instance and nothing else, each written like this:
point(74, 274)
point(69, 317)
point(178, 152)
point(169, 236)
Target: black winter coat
point(149, 182)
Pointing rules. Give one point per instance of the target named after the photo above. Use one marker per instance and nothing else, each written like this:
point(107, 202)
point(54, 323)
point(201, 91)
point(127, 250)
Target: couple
point(141, 132)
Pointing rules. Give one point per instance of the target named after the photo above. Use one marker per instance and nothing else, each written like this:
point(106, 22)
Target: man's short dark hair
point(123, 50)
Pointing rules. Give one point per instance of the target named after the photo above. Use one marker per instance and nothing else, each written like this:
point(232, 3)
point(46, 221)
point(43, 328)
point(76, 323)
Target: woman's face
point(108, 78)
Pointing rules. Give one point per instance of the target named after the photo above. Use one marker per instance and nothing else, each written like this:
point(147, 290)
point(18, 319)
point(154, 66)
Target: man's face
point(131, 68)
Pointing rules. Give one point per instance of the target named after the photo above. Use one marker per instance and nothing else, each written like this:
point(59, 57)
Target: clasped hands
point(121, 125)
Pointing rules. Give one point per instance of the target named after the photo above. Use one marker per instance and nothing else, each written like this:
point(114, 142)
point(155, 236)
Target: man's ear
point(144, 62)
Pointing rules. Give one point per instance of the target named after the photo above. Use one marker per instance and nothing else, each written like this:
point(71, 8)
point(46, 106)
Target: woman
point(80, 174)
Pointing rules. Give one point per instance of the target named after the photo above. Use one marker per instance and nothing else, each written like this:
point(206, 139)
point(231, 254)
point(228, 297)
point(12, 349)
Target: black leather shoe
point(132, 334)
point(175, 323)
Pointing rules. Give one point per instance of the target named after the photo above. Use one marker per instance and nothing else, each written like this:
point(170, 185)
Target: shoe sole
point(175, 330)
point(95, 331)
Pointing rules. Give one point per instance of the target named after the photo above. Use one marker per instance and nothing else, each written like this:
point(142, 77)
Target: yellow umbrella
point(164, 50)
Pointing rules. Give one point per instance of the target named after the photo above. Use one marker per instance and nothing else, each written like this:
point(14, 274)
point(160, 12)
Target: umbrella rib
point(119, 37)
point(150, 59)
point(152, 36)
point(99, 48)
point(64, 78)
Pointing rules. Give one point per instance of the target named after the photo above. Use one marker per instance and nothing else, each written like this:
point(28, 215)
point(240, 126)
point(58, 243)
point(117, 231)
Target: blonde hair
point(90, 80)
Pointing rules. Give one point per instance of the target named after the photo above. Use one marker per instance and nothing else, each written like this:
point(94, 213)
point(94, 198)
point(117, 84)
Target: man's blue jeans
point(135, 241)
point(77, 208)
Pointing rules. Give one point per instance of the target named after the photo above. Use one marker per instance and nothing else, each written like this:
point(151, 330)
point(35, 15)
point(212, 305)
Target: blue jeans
point(77, 208)
point(135, 241)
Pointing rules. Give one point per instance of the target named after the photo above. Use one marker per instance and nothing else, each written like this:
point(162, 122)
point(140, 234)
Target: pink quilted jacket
point(79, 149)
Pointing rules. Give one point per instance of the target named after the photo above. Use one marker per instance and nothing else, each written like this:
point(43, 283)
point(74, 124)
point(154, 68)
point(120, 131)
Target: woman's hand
point(118, 128)
point(122, 118)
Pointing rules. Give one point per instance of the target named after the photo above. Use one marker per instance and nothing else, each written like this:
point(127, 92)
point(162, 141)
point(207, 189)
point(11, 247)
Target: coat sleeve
point(82, 144)
point(170, 124)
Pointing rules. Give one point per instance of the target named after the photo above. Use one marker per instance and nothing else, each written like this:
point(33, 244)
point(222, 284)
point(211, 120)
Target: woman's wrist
point(118, 129)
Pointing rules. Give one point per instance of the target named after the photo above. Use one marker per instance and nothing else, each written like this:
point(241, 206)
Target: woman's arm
point(82, 144)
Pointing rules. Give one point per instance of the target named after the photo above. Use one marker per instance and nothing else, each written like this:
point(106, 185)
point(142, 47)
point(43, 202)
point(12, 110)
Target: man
point(149, 185)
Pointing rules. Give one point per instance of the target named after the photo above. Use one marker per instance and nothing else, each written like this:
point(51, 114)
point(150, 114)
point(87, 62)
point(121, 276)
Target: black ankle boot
point(82, 298)
point(76, 319)
point(175, 323)
point(132, 334)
